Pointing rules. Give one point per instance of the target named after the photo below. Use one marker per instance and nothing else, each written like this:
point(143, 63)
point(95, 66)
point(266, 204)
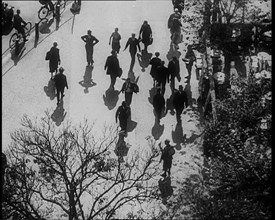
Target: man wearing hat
point(167, 156)
point(54, 59)
point(60, 83)
point(133, 44)
point(112, 66)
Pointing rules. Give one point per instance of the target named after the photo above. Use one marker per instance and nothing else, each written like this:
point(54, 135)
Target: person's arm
point(111, 38)
point(84, 38)
point(96, 41)
point(127, 44)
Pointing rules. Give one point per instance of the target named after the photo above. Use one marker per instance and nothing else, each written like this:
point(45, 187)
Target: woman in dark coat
point(54, 59)
point(123, 113)
point(146, 35)
point(112, 66)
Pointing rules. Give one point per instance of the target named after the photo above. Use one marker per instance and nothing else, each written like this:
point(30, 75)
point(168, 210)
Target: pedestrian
point(115, 38)
point(179, 102)
point(155, 62)
point(122, 114)
point(174, 71)
point(113, 69)
point(189, 60)
point(145, 35)
point(54, 59)
point(167, 157)
point(159, 104)
point(90, 41)
point(162, 76)
point(60, 84)
point(176, 14)
point(133, 44)
point(17, 24)
point(129, 88)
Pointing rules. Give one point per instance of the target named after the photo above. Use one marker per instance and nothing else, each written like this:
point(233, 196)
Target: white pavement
point(23, 85)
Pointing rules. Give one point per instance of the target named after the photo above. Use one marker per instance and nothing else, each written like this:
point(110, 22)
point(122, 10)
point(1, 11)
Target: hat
point(61, 69)
point(157, 54)
point(166, 141)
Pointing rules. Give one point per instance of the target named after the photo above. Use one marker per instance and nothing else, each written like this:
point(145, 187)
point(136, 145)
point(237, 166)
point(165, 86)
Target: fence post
point(36, 34)
point(57, 10)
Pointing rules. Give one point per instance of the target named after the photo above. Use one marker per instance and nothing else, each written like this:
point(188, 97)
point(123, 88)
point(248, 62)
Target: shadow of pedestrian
point(122, 148)
point(152, 92)
point(173, 52)
point(59, 114)
point(157, 130)
point(165, 188)
point(16, 53)
point(177, 136)
point(87, 79)
point(144, 59)
point(169, 105)
point(50, 89)
point(110, 98)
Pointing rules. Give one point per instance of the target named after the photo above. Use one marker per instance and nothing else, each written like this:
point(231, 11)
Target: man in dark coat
point(112, 66)
point(133, 44)
point(123, 113)
point(60, 83)
point(174, 71)
point(162, 76)
point(155, 62)
point(54, 60)
point(167, 157)
point(159, 104)
point(128, 88)
point(146, 34)
point(179, 102)
point(90, 41)
point(189, 60)
point(17, 24)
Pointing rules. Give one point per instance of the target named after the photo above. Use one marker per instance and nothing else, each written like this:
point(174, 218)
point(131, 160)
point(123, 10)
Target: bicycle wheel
point(28, 28)
point(12, 40)
point(43, 12)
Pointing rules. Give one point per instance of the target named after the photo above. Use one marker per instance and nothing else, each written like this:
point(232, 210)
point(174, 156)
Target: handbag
point(48, 55)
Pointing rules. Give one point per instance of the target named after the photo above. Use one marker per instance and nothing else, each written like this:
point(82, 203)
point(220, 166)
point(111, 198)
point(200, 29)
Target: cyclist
point(17, 24)
point(49, 4)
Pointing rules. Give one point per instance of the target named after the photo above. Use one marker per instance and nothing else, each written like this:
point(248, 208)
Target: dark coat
point(180, 100)
point(162, 74)
point(174, 68)
point(145, 32)
point(155, 62)
point(54, 59)
point(60, 81)
point(158, 101)
point(112, 65)
point(134, 44)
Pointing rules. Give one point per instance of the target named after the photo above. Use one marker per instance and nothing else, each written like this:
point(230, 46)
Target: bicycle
point(44, 11)
point(18, 36)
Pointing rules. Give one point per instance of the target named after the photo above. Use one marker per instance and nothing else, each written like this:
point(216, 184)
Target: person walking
point(133, 44)
point(113, 69)
point(115, 38)
point(122, 114)
point(174, 71)
point(189, 60)
point(17, 24)
point(158, 104)
point(90, 41)
point(60, 84)
point(167, 156)
point(54, 59)
point(145, 35)
point(129, 88)
point(162, 76)
point(155, 62)
point(179, 102)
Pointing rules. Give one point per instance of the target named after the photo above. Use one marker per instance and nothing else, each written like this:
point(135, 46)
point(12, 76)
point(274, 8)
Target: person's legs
point(58, 91)
point(133, 59)
point(113, 81)
point(62, 93)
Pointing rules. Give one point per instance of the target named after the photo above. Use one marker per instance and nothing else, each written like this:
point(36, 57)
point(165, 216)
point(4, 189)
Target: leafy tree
point(73, 173)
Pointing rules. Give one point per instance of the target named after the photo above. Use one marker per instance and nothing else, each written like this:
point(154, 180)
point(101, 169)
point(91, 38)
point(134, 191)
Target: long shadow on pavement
point(157, 130)
point(110, 98)
point(165, 188)
point(59, 114)
point(87, 81)
point(50, 89)
point(177, 135)
point(144, 59)
point(152, 92)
